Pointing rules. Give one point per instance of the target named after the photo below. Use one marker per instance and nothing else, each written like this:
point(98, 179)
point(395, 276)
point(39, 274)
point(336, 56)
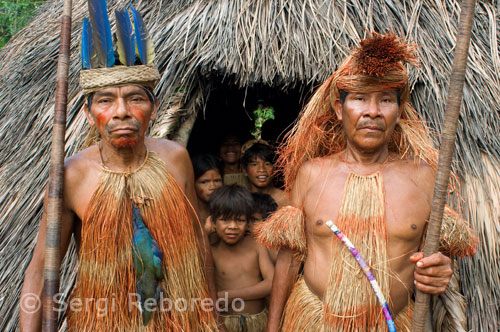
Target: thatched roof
point(279, 43)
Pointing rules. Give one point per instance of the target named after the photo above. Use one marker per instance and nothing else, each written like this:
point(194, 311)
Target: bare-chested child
point(258, 166)
point(243, 269)
point(264, 205)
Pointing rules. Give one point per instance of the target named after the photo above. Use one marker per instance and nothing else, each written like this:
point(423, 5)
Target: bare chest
point(405, 205)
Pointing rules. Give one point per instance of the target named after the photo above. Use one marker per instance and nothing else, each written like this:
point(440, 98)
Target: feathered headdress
point(377, 64)
point(131, 63)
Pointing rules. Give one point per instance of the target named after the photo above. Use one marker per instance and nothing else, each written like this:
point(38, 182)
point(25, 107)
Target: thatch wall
point(279, 43)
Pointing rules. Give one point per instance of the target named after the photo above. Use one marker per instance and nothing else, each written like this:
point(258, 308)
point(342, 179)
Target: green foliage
point(15, 14)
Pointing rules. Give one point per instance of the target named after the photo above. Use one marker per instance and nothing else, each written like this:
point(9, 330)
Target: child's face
point(256, 218)
point(231, 230)
point(259, 172)
point(207, 183)
point(230, 150)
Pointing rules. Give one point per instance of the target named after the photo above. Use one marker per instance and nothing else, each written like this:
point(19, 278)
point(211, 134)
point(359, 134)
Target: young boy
point(257, 165)
point(243, 269)
point(264, 205)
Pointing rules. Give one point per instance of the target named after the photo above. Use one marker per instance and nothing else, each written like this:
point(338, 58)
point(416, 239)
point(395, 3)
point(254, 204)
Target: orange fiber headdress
point(377, 64)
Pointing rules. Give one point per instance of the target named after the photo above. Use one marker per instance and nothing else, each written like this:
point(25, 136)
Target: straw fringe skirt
point(304, 312)
point(246, 322)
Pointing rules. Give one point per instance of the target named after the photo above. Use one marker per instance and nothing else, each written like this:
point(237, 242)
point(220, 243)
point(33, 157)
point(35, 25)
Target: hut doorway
point(229, 110)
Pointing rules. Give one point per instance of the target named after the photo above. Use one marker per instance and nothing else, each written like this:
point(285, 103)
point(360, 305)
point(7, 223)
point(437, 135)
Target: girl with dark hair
point(207, 177)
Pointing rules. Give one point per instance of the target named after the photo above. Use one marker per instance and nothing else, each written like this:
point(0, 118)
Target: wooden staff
point(56, 179)
point(446, 151)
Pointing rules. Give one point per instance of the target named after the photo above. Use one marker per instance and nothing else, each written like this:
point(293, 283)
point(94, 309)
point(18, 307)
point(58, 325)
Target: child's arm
point(262, 288)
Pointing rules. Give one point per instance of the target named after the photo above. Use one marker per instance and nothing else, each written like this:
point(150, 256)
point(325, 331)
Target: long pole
point(56, 179)
point(446, 151)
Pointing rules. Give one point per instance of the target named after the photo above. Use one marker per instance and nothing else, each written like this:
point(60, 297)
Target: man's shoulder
point(416, 167)
point(418, 172)
point(314, 167)
point(167, 149)
point(81, 163)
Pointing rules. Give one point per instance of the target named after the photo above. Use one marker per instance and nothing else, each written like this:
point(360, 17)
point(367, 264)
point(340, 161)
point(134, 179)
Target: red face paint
point(206, 183)
point(124, 142)
point(122, 115)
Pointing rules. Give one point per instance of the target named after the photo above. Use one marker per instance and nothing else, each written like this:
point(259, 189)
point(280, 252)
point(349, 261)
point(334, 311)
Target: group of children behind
point(229, 207)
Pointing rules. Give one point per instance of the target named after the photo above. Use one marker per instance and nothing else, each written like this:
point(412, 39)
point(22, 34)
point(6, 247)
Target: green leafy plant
point(14, 15)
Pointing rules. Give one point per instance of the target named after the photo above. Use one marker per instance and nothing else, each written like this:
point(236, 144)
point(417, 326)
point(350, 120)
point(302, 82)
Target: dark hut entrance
point(229, 110)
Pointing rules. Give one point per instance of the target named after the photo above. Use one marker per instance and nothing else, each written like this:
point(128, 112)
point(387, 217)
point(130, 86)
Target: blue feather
point(125, 38)
point(141, 36)
point(101, 32)
point(87, 44)
point(147, 263)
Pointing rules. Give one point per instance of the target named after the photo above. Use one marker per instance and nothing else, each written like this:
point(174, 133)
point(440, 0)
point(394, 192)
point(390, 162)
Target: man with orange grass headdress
point(130, 203)
point(361, 157)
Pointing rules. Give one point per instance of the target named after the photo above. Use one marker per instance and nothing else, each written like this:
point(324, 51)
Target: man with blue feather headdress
point(129, 200)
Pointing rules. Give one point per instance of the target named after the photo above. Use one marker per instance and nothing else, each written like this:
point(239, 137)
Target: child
point(257, 165)
point(230, 153)
point(207, 177)
point(243, 269)
point(264, 205)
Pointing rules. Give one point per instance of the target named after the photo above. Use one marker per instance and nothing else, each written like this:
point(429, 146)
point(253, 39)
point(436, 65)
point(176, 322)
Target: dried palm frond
point(278, 43)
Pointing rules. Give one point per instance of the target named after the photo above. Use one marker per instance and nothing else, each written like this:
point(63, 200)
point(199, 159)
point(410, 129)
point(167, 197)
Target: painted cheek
point(139, 114)
point(252, 171)
point(102, 119)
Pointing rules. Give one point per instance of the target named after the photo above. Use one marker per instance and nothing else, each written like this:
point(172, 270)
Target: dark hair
point(264, 204)
point(221, 140)
point(149, 92)
point(343, 95)
point(205, 162)
point(230, 201)
point(258, 150)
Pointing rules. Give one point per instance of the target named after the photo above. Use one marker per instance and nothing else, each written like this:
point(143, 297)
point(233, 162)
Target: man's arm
point(286, 270)
point(287, 265)
point(432, 274)
point(261, 289)
point(31, 294)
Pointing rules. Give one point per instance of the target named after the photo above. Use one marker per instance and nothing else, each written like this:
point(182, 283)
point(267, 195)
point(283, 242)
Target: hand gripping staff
point(446, 152)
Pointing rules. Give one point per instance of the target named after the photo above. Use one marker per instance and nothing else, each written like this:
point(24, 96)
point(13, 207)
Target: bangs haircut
point(264, 204)
point(258, 150)
point(231, 201)
point(205, 162)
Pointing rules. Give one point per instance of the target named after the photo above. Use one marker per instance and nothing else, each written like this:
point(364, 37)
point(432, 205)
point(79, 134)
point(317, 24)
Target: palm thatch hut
point(233, 47)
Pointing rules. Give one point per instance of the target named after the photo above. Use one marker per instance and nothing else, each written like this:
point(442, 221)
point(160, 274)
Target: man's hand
point(433, 273)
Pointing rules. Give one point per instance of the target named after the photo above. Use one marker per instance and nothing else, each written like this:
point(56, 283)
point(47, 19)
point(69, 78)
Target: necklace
point(107, 169)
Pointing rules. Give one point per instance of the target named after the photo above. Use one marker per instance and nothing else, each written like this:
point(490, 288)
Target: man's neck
point(122, 159)
point(351, 155)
